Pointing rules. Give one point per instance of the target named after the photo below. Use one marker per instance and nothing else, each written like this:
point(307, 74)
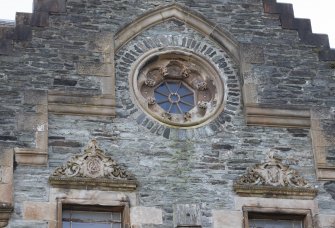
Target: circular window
point(178, 88)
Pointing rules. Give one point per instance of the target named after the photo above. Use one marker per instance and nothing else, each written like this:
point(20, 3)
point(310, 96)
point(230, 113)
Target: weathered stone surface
point(146, 215)
point(186, 215)
point(227, 218)
point(172, 166)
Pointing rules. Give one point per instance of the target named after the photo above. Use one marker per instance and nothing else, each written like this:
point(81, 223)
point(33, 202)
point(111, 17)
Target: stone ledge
point(92, 183)
point(277, 117)
point(325, 172)
point(82, 105)
point(274, 192)
point(30, 156)
point(5, 212)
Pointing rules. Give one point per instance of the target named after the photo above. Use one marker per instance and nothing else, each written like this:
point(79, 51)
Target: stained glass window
point(174, 97)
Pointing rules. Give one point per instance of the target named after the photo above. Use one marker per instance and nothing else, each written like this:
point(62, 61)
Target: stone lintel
point(287, 117)
point(93, 184)
point(31, 156)
point(325, 172)
point(274, 192)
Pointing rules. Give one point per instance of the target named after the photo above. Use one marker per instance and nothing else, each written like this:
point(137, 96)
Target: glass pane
point(268, 223)
point(116, 216)
point(184, 107)
point(174, 109)
point(163, 89)
point(91, 215)
point(173, 86)
point(66, 214)
point(89, 225)
point(184, 91)
point(116, 225)
point(165, 106)
point(159, 98)
point(66, 225)
point(188, 99)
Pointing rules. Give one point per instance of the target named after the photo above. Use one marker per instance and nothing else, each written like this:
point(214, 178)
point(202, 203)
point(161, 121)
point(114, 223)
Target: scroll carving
point(273, 177)
point(93, 168)
point(93, 164)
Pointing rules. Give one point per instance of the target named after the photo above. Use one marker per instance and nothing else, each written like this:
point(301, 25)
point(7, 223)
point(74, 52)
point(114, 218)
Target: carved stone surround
point(92, 170)
point(273, 179)
point(178, 88)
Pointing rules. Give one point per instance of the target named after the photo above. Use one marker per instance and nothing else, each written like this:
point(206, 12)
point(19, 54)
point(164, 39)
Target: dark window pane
point(89, 225)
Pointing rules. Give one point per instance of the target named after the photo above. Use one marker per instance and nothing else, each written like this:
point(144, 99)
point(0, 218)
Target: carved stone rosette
point(273, 178)
point(93, 168)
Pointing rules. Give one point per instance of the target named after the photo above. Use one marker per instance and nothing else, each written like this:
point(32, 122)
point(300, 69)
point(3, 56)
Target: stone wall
point(41, 62)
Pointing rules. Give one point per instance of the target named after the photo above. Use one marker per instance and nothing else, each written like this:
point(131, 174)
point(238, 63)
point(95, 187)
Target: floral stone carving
point(273, 178)
point(93, 168)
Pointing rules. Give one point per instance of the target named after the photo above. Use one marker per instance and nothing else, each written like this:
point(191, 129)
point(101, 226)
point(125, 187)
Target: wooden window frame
point(304, 214)
point(114, 206)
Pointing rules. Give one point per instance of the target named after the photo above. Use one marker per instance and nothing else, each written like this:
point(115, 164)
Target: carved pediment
point(93, 169)
point(273, 178)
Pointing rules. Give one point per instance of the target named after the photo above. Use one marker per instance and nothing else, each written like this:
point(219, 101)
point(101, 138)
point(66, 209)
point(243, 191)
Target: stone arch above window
point(183, 14)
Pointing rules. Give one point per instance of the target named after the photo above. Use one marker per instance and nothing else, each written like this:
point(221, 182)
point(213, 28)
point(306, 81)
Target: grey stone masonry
point(192, 168)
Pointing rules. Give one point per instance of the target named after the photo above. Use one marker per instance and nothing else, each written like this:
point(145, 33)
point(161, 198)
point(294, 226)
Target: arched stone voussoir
point(184, 14)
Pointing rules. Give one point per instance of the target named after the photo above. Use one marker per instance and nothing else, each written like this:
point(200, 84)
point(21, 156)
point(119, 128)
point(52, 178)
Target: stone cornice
point(283, 116)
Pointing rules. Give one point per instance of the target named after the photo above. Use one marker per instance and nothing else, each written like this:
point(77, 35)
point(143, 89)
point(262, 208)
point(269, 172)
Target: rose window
point(178, 89)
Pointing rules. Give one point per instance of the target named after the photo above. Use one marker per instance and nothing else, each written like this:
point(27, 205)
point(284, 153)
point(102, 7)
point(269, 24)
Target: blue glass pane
point(165, 105)
point(185, 108)
point(66, 225)
point(163, 89)
point(188, 99)
point(160, 98)
point(184, 91)
point(173, 86)
point(174, 109)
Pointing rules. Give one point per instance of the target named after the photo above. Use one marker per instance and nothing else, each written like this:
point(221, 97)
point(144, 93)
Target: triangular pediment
point(92, 170)
point(272, 178)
